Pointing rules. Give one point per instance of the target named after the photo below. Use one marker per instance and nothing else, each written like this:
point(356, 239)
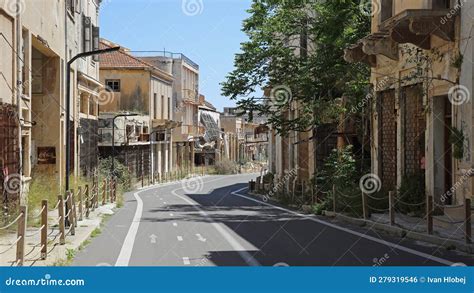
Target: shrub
point(41, 187)
point(226, 167)
point(121, 171)
point(268, 178)
point(411, 194)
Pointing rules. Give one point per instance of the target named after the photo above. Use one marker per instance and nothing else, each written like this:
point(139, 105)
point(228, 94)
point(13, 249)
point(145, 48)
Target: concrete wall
point(135, 89)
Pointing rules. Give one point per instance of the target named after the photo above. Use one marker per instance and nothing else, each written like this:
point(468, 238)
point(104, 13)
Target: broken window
point(441, 4)
point(112, 85)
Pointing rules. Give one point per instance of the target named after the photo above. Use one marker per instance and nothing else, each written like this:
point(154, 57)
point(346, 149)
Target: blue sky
point(209, 33)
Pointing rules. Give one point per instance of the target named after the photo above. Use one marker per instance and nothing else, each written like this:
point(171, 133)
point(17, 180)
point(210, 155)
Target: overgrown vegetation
point(457, 139)
point(411, 195)
point(121, 172)
point(226, 167)
point(340, 172)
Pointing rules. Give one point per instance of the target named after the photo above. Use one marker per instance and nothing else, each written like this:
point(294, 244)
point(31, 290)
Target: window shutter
point(95, 41)
point(87, 26)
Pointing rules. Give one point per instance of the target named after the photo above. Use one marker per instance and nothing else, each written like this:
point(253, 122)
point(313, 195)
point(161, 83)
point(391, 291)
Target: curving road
point(211, 221)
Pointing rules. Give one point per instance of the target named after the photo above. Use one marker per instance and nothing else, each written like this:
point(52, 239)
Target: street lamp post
point(152, 159)
point(68, 111)
point(68, 105)
point(113, 139)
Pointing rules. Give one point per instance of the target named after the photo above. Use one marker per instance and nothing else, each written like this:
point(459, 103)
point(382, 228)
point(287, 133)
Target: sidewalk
point(57, 254)
point(412, 228)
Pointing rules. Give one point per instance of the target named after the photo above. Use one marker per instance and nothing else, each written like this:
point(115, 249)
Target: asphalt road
point(211, 221)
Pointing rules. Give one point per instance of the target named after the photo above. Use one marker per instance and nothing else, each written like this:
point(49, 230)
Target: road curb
point(404, 233)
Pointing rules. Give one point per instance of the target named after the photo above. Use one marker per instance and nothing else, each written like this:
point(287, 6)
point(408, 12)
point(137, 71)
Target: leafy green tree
point(295, 53)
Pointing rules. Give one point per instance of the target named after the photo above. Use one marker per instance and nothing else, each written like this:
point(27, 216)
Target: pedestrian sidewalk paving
point(57, 254)
point(413, 228)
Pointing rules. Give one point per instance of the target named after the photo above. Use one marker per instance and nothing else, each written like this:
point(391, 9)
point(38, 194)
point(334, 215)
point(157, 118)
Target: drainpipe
point(19, 92)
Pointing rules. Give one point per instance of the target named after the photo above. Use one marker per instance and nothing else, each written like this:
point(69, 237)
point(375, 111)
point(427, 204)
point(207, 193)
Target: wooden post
point(74, 208)
point(88, 201)
point(334, 203)
point(20, 245)
point(96, 196)
point(71, 213)
point(104, 191)
point(429, 214)
point(391, 206)
point(81, 202)
point(44, 230)
point(114, 189)
point(365, 206)
point(111, 190)
point(467, 223)
point(62, 232)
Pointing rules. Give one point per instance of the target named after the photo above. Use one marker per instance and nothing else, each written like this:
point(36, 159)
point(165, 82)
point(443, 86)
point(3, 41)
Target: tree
point(295, 53)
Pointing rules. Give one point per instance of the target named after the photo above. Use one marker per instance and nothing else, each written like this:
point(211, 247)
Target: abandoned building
point(138, 98)
point(34, 53)
point(422, 81)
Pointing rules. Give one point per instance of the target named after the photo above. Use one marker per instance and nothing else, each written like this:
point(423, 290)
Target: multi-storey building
point(32, 88)
point(244, 140)
point(185, 107)
point(143, 141)
point(420, 53)
point(207, 149)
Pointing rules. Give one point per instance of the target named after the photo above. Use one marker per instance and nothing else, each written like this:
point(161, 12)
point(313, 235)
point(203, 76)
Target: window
point(155, 102)
point(169, 108)
point(95, 41)
point(162, 107)
point(387, 10)
point(87, 33)
point(84, 104)
point(441, 4)
point(113, 85)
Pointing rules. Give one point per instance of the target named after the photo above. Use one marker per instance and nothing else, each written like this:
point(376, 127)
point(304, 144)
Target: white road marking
point(186, 261)
point(175, 224)
point(153, 238)
point(171, 215)
point(244, 254)
point(200, 238)
point(368, 237)
point(180, 238)
point(127, 246)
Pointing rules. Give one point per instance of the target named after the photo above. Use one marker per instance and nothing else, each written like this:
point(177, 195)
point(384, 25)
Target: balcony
point(188, 133)
point(417, 26)
point(414, 26)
